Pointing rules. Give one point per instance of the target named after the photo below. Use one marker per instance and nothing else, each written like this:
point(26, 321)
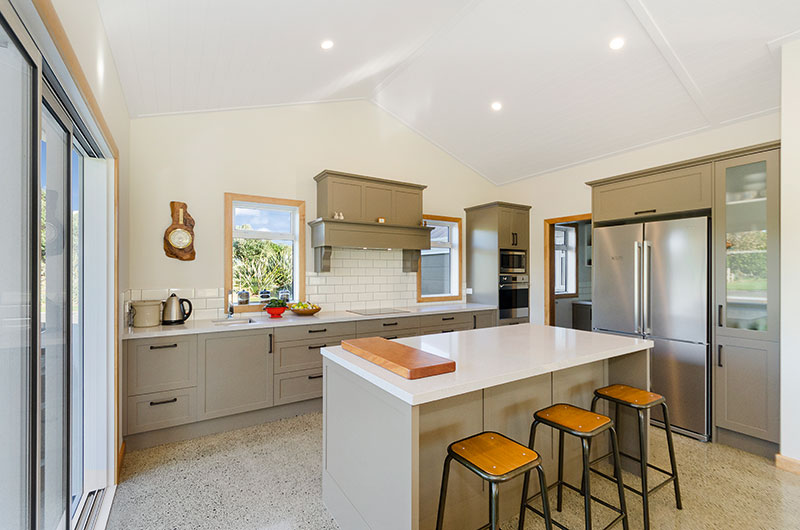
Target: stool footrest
point(618, 511)
point(629, 488)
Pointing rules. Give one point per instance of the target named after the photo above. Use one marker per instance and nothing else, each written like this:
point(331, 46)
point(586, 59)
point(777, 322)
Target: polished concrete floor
point(268, 478)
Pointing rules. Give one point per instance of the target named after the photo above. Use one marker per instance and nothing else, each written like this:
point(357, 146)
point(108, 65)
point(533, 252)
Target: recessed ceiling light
point(326, 44)
point(497, 105)
point(616, 43)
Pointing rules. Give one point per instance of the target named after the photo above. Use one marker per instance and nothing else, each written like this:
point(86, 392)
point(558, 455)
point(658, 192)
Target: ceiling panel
point(566, 95)
point(723, 45)
point(187, 55)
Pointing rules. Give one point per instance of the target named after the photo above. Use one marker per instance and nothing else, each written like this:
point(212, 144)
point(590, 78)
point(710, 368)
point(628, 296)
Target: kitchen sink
point(232, 321)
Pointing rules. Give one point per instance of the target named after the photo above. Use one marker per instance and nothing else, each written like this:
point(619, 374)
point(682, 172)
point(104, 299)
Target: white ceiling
point(567, 98)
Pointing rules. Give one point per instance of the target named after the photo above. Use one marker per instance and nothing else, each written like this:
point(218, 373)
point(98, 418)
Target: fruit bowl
point(304, 309)
point(275, 312)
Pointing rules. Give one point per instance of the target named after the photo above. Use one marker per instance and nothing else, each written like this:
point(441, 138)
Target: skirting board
point(787, 464)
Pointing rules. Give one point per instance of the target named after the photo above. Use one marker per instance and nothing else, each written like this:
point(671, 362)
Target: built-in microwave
point(513, 262)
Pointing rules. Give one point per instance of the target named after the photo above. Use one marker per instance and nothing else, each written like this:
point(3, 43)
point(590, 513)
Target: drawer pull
point(315, 376)
point(163, 346)
point(641, 212)
point(448, 331)
point(391, 338)
point(448, 318)
point(163, 402)
point(323, 330)
point(318, 346)
point(386, 324)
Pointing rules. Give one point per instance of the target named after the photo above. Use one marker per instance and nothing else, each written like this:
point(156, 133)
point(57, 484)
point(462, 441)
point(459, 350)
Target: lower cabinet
point(449, 328)
point(148, 412)
point(484, 319)
point(236, 372)
point(298, 386)
point(747, 387)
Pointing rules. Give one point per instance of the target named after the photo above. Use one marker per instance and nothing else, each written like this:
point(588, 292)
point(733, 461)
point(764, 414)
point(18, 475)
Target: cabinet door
point(520, 228)
point(746, 239)
point(236, 369)
point(156, 365)
point(484, 319)
point(347, 197)
point(505, 222)
point(747, 387)
point(407, 207)
point(377, 202)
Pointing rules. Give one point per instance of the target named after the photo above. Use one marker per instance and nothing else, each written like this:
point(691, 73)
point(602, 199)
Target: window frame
point(566, 294)
point(300, 265)
point(459, 246)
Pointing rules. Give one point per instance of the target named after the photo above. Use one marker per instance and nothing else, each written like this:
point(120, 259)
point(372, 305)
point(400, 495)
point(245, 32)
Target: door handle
point(163, 402)
point(315, 376)
point(637, 288)
point(719, 315)
point(391, 338)
point(719, 355)
point(163, 346)
point(316, 347)
point(647, 249)
point(641, 212)
point(270, 344)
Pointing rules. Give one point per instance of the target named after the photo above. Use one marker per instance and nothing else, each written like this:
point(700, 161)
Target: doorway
point(567, 271)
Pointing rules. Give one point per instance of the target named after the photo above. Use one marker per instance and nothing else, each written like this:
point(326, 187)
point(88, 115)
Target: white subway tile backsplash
point(206, 293)
point(215, 303)
point(350, 297)
point(154, 294)
point(327, 289)
point(205, 314)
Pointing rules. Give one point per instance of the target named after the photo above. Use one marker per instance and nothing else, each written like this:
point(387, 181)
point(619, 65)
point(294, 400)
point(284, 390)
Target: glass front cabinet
point(746, 314)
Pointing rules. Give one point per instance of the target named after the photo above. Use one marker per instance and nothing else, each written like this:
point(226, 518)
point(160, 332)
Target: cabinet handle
point(163, 402)
point(448, 318)
point(719, 315)
point(315, 376)
point(641, 212)
point(474, 321)
point(270, 343)
point(448, 331)
point(391, 338)
point(514, 238)
point(163, 346)
point(719, 355)
point(323, 330)
point(318, 346)
point(385, 324)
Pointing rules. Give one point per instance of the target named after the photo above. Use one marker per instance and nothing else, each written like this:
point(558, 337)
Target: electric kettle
point(174, 311)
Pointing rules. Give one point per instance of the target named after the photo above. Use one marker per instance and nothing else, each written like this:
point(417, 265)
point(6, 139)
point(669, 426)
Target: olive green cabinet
point(513, 228)
point(484, 319)
point(236, 371)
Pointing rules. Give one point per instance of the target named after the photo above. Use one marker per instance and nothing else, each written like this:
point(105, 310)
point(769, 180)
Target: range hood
point(356, 211)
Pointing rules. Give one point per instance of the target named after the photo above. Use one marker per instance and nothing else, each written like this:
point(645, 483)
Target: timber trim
point(787, 463)
point(451, 298)
point(549, 273)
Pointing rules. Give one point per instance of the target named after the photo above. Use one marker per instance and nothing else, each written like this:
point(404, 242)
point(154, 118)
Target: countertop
point(489, 357)
point(262, 320)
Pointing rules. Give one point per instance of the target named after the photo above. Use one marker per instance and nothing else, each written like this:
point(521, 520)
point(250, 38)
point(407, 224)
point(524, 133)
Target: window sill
point(448, 298)
point(566, 295)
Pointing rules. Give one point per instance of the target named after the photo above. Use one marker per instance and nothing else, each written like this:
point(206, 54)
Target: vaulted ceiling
point(566, 96)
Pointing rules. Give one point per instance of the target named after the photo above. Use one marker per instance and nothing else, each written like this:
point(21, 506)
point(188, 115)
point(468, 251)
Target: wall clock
point(179, 236)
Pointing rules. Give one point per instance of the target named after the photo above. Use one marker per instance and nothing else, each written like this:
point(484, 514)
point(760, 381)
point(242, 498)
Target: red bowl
point(275, 312)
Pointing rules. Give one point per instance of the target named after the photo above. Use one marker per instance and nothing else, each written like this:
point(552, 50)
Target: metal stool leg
point(672, 462)
point(524, 503)
point(548, 522)
point(443, 492)
point(587, 496)
point(643, 455)
point(493, 498)
point(618, 476)
point(560, 487)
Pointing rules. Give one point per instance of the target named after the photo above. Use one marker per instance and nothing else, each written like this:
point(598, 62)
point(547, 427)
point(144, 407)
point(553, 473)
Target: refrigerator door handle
point(637, 287)
point(646, 251)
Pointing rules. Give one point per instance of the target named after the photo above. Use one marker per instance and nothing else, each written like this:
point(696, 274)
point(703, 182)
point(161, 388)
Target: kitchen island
point(385, 437)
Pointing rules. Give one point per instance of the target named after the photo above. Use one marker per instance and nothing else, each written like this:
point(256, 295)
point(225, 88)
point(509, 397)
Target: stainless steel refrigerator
point(651, 280)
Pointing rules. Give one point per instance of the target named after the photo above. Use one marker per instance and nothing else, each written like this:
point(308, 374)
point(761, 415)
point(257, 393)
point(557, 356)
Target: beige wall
point(790, 253)
point(275, 152)
point(564, 192)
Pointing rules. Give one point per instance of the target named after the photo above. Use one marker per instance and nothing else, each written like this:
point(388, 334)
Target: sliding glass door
point(19, 124)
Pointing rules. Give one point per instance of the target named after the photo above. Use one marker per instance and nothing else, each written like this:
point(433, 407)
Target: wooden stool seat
point(493, 453)
point(630, 396)
point(577, 420)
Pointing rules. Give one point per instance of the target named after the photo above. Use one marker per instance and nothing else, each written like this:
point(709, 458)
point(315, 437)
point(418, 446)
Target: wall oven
point(513, 262)
point(513, 300)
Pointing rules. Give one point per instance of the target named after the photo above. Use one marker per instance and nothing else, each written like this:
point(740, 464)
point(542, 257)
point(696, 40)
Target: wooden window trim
point(230, 198)
point(576, 226)
point(549, 273)
point(450, 298)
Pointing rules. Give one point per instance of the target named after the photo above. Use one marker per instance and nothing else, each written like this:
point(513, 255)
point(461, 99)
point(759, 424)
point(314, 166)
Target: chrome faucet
point(229, 312)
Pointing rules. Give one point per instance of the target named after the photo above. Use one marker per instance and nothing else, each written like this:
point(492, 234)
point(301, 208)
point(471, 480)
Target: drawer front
point(317, 331)
point(396, 334)
point(161, 364)
point(373, 328)
point(448, 319)
point(298, 386)
point(302, 355)
point(445, 329)
point(149, 412)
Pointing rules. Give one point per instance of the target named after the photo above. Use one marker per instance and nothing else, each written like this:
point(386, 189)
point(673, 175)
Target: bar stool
point(495, 458)
point(585, 425)
point(642, 401)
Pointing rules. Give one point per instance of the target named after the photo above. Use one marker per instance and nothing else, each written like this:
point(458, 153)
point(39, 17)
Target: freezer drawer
point(678, 371)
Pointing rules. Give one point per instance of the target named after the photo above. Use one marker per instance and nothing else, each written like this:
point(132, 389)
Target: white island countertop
point(262, 321)
point(489, 357)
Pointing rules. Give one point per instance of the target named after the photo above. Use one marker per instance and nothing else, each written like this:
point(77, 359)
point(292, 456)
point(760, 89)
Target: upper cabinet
point(680, 190)
point(746, 238)
point(360, 198)
point(513, 227)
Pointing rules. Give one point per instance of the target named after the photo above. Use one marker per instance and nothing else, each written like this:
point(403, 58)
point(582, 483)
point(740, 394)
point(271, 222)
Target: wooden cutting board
point(403, 360)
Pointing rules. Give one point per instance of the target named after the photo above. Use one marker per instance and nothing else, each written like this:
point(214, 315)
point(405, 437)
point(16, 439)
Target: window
point(566, 259)
point(439, 272)
point(265, 246)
